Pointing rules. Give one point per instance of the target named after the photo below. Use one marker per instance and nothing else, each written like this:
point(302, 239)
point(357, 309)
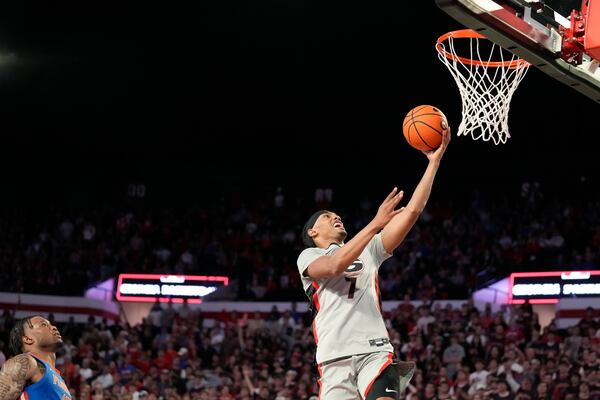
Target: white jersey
point(347, 308)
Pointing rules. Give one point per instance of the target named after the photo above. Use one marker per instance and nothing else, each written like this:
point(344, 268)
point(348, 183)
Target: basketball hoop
point(486, 86)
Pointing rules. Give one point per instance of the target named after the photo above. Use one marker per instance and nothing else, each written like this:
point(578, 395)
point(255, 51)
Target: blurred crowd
point(461, 353)
point(254, 239)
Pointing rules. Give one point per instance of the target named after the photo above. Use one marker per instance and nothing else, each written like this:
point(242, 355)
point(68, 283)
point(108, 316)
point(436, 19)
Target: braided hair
point(15, 343)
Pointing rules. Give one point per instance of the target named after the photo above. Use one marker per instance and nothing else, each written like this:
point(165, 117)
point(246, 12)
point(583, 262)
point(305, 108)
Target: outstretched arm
point(14, 375)
point(396, 230)
point(332, 265)
point(248, 381)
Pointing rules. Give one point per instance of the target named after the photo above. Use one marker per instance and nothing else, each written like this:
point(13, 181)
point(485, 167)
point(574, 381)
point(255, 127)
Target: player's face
point(329, 226)
point(45, 334)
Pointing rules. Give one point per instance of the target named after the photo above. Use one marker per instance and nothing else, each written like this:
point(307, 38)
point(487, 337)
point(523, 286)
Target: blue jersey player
point(30, 375)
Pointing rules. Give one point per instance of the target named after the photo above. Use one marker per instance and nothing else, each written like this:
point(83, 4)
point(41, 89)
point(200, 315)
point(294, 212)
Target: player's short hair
point(15, 343)
point(306, 239)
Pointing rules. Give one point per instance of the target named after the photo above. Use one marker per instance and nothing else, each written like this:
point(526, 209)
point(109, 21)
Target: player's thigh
point(378, 377)
point(338, 381)
point(386, 385)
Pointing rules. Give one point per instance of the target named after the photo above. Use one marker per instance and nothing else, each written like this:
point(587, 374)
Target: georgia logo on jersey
point(354, 269)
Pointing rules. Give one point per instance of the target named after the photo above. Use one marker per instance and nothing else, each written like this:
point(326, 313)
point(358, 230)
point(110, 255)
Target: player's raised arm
point(14, 375)
point(396, 230)
point(332, 265)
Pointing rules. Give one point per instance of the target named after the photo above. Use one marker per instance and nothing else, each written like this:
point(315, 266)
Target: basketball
point(424, 127)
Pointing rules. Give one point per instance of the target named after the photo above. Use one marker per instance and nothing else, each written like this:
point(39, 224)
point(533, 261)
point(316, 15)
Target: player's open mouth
point(338, 225)
point(58, 335)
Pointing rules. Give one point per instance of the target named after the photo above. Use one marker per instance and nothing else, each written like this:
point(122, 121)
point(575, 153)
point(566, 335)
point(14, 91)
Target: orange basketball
point(424, 127)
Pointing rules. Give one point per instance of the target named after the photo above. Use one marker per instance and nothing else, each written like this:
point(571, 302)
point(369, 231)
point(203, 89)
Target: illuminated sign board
point(164, 288)
point(548, 287)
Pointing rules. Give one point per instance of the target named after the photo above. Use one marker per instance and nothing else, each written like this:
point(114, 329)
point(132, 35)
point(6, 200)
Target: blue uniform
point(50, 387)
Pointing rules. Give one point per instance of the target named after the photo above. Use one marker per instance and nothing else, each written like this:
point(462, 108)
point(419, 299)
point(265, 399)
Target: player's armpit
point(14, 375)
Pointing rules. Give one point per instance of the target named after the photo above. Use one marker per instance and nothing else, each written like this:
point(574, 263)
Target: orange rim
point(471, 34)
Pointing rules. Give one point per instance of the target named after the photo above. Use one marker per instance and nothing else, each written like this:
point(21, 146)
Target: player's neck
point(47, 356)
point(325, 244)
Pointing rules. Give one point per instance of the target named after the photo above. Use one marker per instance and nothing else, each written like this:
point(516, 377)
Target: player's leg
point(380, 378)
point(338, 380)
point(386, 386)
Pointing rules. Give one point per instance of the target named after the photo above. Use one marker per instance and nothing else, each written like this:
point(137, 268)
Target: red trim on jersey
point(25, 396)
point(319, 380)
point(318, 307)
point(377, 293)
point(384, 366)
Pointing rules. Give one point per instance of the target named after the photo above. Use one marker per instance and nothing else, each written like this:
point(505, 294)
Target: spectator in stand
point(209, 360)
point(453, 356)
point(478, 378)
point(254, 243)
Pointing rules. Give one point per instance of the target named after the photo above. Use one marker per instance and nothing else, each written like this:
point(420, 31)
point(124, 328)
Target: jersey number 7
point(352, 287)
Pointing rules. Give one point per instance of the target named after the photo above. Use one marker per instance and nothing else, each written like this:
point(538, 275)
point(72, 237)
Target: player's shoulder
point(22, 364)
point(22, 358)
point(310, 252)
point(308, 255)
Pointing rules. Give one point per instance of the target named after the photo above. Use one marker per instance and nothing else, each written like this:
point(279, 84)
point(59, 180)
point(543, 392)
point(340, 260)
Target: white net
point(486, 85)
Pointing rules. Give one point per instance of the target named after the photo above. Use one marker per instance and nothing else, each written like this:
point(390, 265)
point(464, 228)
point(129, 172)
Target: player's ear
point(27, 340)
point(312, 233)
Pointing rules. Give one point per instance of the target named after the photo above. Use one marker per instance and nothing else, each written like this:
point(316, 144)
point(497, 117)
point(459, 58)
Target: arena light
point(549, 287)
point(165, 288)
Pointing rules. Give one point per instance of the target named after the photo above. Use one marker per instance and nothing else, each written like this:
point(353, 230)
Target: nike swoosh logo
point(390, 391)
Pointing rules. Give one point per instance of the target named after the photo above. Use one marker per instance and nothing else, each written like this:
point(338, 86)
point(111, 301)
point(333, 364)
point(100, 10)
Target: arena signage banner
point(549, 287)
point(165, 288)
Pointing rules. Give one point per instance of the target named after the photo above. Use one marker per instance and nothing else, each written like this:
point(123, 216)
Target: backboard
point(565, 44)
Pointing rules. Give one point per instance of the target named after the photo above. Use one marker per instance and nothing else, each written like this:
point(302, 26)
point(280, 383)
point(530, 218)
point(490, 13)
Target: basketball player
point(30, 375)
point(354, 354)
